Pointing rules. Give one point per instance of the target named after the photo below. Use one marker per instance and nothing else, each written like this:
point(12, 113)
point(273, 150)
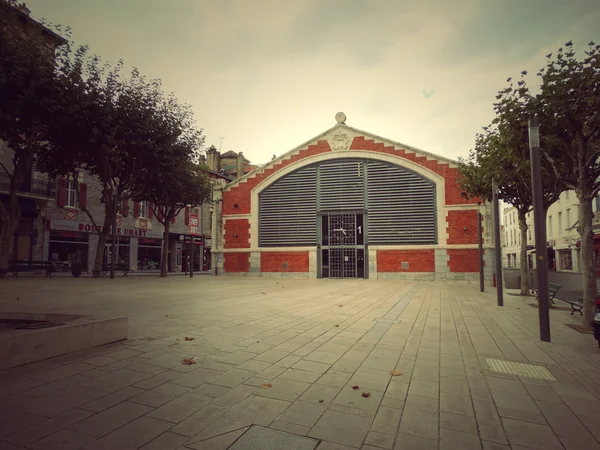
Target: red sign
point(193, 223)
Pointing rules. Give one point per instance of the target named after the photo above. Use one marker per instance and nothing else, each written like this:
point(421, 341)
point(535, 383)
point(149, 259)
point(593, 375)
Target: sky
point(268, 75)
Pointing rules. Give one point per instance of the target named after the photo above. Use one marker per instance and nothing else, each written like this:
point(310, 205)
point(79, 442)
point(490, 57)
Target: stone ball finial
point(340, 117)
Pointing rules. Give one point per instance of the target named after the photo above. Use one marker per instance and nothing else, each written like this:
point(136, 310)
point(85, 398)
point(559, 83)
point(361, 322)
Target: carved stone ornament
point(340, 141)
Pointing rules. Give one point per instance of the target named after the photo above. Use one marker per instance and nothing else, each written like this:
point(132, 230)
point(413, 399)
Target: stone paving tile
point(54, 404)
point(300, 375)
point(197, 377)
point(232, 378)
point(63, 440)
point(290, 427)
point(111, 399)
point(420, 423)
point(387, 420)
point(55, 386)
point(235, 395)
point(530, 435)
point(210, 390)
point(320, 394)
point(159, 395)
point(452, 440)
point(115, 381)
point(458, 422)
point(181, 408)
point(258, 410)
point(564, 422)
point(36, 432)
point(409, 442)
point(131, 436)
point(221, 442)
point(166, 441)
point(335, 379)
point(13, 421)
point(303, 413)
point(492, 433)
point(283, 389)
point(102, 423)
point(341, 428)
point(376, 440)
point(195, 423)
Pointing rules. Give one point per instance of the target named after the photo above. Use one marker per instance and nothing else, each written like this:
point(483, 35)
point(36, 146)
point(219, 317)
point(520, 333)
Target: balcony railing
point(40, 188)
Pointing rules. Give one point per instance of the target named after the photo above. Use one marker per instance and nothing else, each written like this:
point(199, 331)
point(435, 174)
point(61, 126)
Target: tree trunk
point(587, 261)
point(523, 254)
point(97, 271)
point(164, 258)
point(6, 239)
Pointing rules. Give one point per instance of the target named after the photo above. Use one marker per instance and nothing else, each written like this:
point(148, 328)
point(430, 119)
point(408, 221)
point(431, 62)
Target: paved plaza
point(276, 361)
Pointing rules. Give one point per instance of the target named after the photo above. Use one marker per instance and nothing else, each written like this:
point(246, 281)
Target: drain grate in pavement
point(259, 438)
point(524, 370)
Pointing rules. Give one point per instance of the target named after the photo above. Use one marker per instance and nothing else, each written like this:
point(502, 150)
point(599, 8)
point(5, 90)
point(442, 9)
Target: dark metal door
point(343, 249)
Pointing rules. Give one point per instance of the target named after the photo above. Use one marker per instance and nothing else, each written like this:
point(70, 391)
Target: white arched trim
point(437, 179)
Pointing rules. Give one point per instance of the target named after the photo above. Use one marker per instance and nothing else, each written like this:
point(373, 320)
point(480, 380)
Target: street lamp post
point(113, 250)
point(499, 292)
point(539, 224)
point(191, 256)
point(479, 234)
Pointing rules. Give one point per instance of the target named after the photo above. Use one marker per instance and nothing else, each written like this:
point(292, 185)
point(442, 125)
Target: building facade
point(349, 204)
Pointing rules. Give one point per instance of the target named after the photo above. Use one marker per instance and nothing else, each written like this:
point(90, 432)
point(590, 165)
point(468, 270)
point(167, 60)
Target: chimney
point(240, 165)
point(212, 159)
point(202, 160)
point(23, 8)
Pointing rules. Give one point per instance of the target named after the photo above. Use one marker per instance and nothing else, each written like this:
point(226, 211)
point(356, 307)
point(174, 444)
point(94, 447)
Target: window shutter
point(125, 208)
point(61, 198)
point(82, 195)
point(136, 209)
point(150, 210)
point(187, 215)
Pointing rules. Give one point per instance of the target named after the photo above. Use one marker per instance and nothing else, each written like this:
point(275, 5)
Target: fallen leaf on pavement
point(188, 338)
point(337, 326)
point(339, 306)
point(263, 292)
point(188, 361)
point(321, 401)
point(366, 394)
point(395, 373)
point(267, 386)
point(355, 387)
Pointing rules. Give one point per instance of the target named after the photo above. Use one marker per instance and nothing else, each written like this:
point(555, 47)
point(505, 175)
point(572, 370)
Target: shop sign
point(193, 223)
point(69, 225)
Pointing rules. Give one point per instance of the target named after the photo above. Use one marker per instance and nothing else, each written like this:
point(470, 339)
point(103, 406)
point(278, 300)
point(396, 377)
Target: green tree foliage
point(502, 153)
point(28, 94)
point(569, 109)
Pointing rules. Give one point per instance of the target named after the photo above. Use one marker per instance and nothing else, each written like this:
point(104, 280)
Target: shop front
point(69, 241)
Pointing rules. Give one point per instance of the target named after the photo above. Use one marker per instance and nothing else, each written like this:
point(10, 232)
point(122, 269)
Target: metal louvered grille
point(288, 210)
point(342, 185)
point(401, 206)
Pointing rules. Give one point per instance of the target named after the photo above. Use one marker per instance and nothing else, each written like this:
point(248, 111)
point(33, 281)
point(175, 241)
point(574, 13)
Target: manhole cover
point(259, 438)
point(524, 370)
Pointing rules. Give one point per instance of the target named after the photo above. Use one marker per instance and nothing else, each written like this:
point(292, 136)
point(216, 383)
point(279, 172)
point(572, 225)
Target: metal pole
point(499, 291)
point(539, 224)
point(114, 233)
point(479, 233)
point(191, 256)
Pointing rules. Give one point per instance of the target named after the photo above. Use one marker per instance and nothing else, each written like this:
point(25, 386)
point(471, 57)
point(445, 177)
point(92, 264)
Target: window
point(71, 195)
point(568, 218)
point(560, 228)
point(550, 226)
point(143, 209)
point(566, 195)
point(529, 234)
point(566, 260)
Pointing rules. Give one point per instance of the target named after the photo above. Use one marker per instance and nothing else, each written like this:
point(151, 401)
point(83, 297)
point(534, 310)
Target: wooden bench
point(122, 267)
point(553, 289)
point(576, 305)
point(29, 266)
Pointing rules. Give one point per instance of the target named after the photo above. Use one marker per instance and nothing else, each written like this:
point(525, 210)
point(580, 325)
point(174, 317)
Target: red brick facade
point(239, 227)
point(418, 260)
point(240, 195)
point(453, 190)
point(237, 262)
point(462, 227)
point(284, 262)
point(463, 260)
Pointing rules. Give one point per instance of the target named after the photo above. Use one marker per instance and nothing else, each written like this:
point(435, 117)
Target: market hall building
point(348, 204)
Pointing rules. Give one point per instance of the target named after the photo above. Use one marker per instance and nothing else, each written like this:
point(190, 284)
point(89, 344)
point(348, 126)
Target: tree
point(569, 109)
point(502, 153)
point(178, 183)
point(28, 92)
point(111, 126)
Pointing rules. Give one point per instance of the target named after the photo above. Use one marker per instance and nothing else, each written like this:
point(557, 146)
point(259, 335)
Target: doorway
point(342, 245)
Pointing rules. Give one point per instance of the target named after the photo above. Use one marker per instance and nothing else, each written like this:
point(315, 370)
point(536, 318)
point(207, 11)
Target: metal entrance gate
point(343, 249)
